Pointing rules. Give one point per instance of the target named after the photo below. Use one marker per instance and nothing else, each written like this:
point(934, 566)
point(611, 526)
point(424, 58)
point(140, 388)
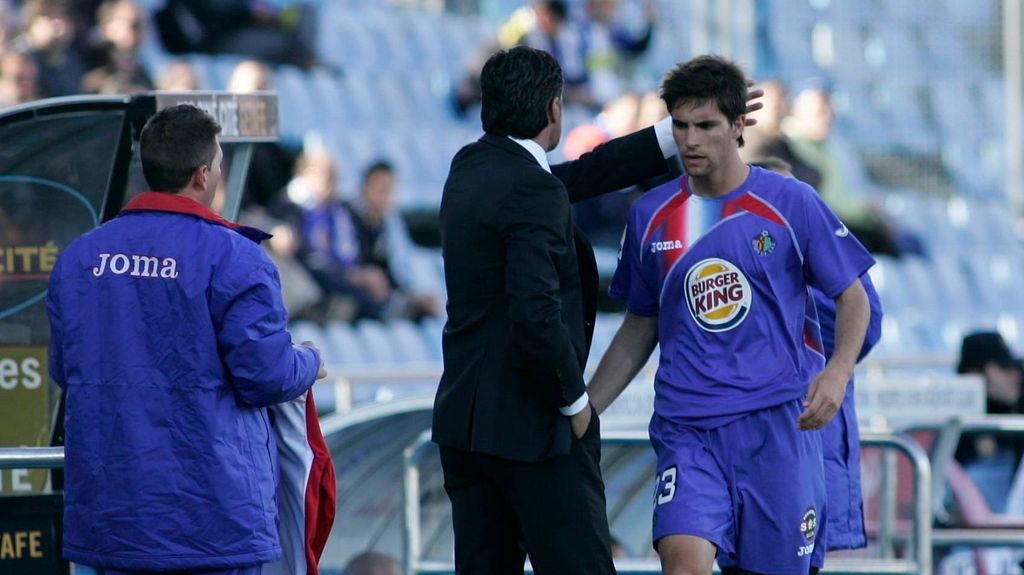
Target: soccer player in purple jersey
point(718, 272)
point(840, 439)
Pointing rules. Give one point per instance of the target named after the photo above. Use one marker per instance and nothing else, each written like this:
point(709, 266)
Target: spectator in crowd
point(384, 243)
point(19, 79)
point(6, 25)
point(993, 459)
point(272, 163)
point(178, 76)
point(609, 47)
point(282, 32)
point(602, 218)
point(373, 563)
point(48, 35)
point(767, 140)
point(113, 56)
point(808, 132)
point(546, 26)
point(330, 240)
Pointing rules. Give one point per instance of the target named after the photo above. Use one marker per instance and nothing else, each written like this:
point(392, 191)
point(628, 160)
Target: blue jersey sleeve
point(874, 332)
point(833, 257)
point(629, 283)
point(263, 364)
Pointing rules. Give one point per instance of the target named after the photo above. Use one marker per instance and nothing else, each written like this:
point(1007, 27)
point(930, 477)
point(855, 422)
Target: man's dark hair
point(518, 86)
point(707, 79)
point(174, 143)
point(378, 166)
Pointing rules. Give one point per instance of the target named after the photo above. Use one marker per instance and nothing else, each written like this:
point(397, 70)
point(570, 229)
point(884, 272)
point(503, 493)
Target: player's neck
point(720, 182)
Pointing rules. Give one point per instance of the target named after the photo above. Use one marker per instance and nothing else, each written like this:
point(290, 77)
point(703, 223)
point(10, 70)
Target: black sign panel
point(30, 536)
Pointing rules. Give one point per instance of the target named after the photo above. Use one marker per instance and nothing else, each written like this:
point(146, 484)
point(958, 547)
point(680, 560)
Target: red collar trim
point(165, 202)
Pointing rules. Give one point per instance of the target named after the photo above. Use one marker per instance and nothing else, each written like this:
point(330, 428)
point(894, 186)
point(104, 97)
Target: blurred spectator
point(275, 31)
point(48, 34)
point(609, 47)
point(808, 131)
point(992, 460)
point(384, 243)
point(302, 295)
point(113, 56)
point(767, 140)
point(373, 563)
point(272, 163)
point(19, 79)
point(178, 76)
point(331, 242)
point(546, 26)
point(6, 25)
point(249, 76)
point(603, 218)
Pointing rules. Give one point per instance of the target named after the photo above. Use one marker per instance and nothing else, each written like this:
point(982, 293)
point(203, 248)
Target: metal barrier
point(31, 458)
point(922, 549)
point(947, 439)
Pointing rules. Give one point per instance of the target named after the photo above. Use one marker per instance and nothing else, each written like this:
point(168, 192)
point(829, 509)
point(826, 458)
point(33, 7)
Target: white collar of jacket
point(536, 151)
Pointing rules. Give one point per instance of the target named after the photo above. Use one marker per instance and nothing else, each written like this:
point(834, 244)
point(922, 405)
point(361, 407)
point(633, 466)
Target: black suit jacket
point(522, 291)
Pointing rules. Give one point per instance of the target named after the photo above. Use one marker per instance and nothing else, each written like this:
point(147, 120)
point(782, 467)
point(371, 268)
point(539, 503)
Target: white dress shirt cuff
point(663, 129)
point(576, 407)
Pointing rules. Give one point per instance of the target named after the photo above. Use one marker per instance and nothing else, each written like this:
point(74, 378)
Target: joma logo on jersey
point(665, 246)
point(718, 295)
point(137, 266)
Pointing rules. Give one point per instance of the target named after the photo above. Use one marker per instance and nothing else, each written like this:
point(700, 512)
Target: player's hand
point(752, 104)
point(322, 371)
point(581, 422)
point(824, 398)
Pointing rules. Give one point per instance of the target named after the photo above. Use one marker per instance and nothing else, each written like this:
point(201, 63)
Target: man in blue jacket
point(168, 334)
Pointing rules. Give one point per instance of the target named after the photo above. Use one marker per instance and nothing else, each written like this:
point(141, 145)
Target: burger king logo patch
point(718, 295)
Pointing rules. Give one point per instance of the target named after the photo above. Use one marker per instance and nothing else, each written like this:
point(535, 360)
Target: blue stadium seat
point(379, 348)
point(408, 342)
point(347, 345)
point(431, 329)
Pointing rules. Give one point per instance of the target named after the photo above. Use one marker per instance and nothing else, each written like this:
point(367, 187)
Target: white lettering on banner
point(25, 373)
point(140, 266)
point(18, 480)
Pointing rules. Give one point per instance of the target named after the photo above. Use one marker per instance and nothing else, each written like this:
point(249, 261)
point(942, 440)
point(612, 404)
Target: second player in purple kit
point(717, 269)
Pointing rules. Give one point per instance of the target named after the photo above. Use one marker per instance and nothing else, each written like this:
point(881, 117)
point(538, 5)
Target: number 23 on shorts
point(665, 486)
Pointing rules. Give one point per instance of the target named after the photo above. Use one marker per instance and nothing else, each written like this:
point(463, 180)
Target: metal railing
point(31, 458)
point(921, 561)
point(946, 441)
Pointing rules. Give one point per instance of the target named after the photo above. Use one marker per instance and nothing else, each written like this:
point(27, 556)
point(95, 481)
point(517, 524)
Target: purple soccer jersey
point(729, 280)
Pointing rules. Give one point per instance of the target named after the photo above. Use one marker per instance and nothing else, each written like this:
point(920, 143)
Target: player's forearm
point(853, 312)
point(629, 351)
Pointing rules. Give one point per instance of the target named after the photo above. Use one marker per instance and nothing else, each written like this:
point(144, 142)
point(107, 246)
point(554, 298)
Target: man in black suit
point(520, 445)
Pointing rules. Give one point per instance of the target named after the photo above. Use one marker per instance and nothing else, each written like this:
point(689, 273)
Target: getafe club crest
point(764, 244)
point(718, 294)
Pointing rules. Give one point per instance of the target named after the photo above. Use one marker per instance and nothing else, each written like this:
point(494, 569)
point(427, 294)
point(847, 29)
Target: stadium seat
point(408, 342)
point(347, 345)
point(377, 343)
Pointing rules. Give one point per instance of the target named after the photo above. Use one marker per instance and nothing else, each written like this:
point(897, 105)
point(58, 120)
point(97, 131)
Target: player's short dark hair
point(518, 86)
point(378, 166)
point(705, 79)
point(174, 143)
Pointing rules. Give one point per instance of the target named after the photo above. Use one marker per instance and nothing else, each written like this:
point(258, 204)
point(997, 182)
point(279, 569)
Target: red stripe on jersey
point(758, 208)
point(810, 341)
point(321, 491)
point(666, 211)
